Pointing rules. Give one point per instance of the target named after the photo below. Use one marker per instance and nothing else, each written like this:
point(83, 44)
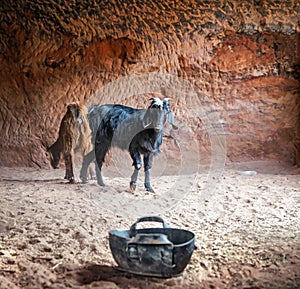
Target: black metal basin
point(160, 252)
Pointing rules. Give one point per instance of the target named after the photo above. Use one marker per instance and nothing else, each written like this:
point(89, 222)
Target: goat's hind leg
point(101, 148)
point(87, 159)
point(92, 172)
point(99, 176)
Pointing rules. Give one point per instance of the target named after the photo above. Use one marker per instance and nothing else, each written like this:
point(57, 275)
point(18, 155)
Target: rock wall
point(241, 59)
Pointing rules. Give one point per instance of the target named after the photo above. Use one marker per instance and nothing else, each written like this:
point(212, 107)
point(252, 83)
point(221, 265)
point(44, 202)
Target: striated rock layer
point(232, 69)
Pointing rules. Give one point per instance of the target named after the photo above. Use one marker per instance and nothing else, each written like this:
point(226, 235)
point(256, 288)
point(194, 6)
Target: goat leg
point(92, 173)
point(102, 146)
point(69, 168)
point(137, 163)
point(147, 166)
point(99, 162)
point(147, 182)
point(134, 179)
point(85, 165)
point(99, 177)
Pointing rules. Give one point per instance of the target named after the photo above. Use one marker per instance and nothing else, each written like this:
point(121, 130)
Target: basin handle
point(147, 219)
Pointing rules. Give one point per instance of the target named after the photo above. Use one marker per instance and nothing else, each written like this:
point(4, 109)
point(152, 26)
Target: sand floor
point(55, 235)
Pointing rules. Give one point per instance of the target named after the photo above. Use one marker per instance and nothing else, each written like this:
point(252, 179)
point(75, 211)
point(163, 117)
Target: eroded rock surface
point(241, 57)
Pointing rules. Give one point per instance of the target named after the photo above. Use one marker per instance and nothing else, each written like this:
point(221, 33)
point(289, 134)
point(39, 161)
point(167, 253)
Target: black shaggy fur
point(140, 131)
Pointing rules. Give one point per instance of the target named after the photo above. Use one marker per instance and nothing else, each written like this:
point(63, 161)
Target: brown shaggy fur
point(74, 136)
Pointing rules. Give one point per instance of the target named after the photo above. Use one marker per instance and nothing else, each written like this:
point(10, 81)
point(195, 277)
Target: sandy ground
point(55, 235)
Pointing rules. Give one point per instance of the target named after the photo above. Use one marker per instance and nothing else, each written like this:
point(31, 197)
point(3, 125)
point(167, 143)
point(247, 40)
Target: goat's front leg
point(67, 144)
point(137, 163)
point(69, 167)
point(147, 166)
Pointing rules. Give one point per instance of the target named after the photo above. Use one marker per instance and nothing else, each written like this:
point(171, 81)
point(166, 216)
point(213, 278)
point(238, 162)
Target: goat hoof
point(83, 180)
point(71, 181)
point(132, 186)
point(149, 188)
point(68, 177)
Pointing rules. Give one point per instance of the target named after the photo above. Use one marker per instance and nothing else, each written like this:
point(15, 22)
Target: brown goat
point(74, 136)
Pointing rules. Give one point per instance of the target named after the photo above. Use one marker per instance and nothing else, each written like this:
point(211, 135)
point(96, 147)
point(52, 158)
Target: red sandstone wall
point(242, 56)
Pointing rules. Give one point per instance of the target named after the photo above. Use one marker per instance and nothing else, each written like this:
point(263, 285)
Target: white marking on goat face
point(166, 105)
point(157, 103)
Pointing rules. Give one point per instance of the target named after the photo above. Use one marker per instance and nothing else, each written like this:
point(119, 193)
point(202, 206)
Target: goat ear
point(171, 119)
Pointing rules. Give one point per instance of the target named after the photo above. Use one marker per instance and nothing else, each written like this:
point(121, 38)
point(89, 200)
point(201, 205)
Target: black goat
point(139, 131)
